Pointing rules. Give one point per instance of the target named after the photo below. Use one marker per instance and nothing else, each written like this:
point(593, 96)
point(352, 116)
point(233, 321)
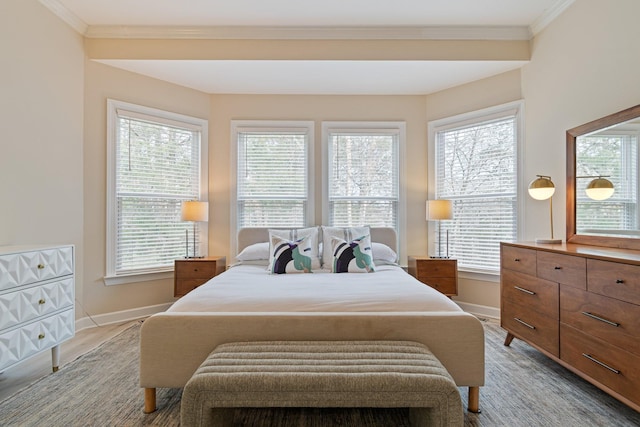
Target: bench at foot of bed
point(321, 374)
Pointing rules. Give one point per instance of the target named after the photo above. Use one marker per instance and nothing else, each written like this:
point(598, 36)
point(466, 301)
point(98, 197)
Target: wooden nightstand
point(439, 273)
point(193, 272)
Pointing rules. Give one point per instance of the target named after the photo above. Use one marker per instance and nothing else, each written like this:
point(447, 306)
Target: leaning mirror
point(602, 181)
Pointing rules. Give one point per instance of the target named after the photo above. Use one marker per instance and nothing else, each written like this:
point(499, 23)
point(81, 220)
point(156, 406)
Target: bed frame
point(174, 344)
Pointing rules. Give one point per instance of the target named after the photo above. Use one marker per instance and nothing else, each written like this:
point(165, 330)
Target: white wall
point(41, 109)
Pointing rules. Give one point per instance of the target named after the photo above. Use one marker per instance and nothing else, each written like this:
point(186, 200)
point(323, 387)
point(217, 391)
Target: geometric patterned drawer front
point(25, 305)
point(18, 344)
point(21, 268)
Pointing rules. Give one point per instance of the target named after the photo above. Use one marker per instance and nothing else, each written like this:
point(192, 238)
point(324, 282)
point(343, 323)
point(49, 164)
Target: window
point(273, 174)
point(473, 160)
point(614, 155)
point(156, 160)
point(363, 179)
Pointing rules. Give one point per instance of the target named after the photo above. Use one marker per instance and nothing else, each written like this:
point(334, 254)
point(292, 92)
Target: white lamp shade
point(541, 188)
point(439, 209)
point(195, 210)
point(600, 189)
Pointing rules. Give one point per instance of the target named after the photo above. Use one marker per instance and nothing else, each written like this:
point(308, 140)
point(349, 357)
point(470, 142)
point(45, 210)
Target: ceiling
point(382, 19)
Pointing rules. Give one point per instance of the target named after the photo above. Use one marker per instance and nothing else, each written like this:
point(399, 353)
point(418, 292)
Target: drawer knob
point(619, 281)
point(557, 267)
point(41, 336)
point(516, 259)
point(604, 365)
point(40, 266)
point(41, 301)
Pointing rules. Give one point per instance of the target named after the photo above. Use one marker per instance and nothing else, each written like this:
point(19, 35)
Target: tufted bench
point(321, 374)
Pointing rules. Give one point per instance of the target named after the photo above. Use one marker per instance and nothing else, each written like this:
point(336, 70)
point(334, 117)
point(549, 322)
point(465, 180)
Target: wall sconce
point(437, 210)
point(195, 211)
point(542, 188)
point(599, 188)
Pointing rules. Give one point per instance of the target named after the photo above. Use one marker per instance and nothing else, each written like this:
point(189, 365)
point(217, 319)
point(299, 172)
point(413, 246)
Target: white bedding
point(249, 288)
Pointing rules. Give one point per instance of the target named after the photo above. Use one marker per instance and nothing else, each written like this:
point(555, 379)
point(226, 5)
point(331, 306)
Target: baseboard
point(480, 310)
point(119, 316)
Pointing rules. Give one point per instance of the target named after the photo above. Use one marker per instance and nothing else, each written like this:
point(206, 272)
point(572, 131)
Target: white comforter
point(249, 288)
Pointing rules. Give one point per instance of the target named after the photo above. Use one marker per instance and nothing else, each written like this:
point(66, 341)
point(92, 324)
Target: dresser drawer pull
point(557, 267)
point(604, 365)
point(619, 281)
point(593, 316)
point(524, 323)
point(526, 291)
point(516, 259)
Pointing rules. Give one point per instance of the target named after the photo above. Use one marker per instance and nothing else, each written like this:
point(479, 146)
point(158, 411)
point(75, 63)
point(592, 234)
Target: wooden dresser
point(579, 305)
point(37, 288)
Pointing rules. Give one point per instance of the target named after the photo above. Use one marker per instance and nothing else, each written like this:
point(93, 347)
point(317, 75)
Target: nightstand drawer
point(195, 269)
point(446, 285)
point(436, 268)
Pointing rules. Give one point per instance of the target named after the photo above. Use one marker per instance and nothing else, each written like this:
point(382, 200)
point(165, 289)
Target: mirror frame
point(572, 135)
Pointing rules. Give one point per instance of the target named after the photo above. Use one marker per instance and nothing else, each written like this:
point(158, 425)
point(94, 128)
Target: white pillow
point(298, 233)
point(383, 254)
point(345, 233)
point(290, 256)
point(354, 256)
point(255, 252)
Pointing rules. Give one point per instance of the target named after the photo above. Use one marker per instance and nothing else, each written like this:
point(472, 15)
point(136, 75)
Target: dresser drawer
point(533, 327)
point(600, 361)
point(195, 269)
point(613, 321)
point(567, 269)
point(25, 341)
point(23, 268)
point(620, 281)
point(518, 259)
point(536, 294)
point(29, 303)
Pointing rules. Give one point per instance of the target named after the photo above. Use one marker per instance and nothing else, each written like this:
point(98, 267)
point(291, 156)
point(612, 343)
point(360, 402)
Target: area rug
point(523, 388)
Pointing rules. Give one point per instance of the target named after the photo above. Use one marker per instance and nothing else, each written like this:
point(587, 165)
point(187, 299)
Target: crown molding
point(312, 33)
point(549, 15)
point(66, 15)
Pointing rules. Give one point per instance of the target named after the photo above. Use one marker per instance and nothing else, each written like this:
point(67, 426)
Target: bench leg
point(149, 400)
point(474, 399)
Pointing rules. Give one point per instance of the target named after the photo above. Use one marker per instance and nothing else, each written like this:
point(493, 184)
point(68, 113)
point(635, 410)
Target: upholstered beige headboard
point(251, 235)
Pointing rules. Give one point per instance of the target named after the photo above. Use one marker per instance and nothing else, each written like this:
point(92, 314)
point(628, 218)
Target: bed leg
point(508, 338)
point(474, 400)
point(149, 400)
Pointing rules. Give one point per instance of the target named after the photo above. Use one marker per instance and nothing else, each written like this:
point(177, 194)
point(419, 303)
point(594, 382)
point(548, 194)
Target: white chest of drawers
point(37, 288)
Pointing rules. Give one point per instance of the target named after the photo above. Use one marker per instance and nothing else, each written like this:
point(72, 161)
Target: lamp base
point(194, 257)
point(438, 257)
point(549, 241)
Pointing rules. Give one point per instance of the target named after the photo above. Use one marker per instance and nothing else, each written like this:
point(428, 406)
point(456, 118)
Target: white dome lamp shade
point(600, 188)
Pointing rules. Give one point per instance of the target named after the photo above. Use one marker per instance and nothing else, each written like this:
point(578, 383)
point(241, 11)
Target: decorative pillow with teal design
point(345, 233)
point(290, 256)
point(293, 234)
point(352, 257)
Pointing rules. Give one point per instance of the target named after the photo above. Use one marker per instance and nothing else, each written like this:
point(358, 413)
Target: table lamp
point(196, 211)
point(542, 188)
point(438, 210)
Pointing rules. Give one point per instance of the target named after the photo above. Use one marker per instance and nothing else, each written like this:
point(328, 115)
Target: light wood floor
point(23, 374)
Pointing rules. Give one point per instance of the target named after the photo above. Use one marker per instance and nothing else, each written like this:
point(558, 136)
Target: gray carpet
point(524, 388)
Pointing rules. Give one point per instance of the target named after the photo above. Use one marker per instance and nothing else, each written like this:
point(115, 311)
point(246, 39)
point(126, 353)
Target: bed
point(245, 303)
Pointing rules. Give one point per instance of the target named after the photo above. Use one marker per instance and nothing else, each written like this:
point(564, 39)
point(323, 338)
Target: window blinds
point(272, 178)
point(363, 177)
point(157, 167)
point(476, 170)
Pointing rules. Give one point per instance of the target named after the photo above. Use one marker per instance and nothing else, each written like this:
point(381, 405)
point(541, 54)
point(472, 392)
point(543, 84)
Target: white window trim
point(238, 126)
point(395, 126)
point(516, 108)
point(111, 278)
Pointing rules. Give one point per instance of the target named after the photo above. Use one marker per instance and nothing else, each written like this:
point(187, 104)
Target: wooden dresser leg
point(474, 399)
point(508, 339)
point(149, 400)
